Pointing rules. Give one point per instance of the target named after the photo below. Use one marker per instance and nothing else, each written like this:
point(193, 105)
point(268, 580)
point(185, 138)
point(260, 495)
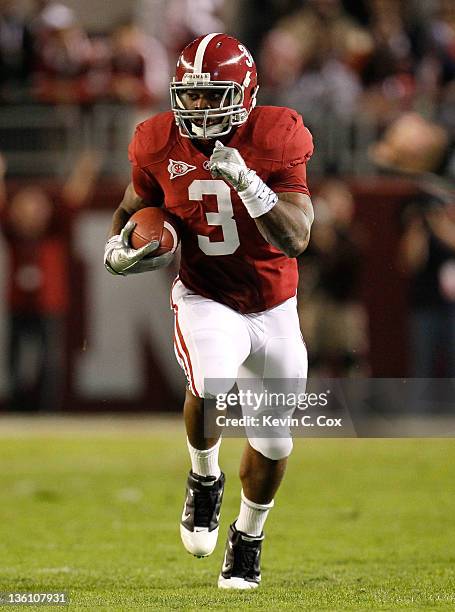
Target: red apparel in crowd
point(38, 280)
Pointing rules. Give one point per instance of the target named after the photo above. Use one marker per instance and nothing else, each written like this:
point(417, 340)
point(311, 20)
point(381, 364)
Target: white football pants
point(217, 345)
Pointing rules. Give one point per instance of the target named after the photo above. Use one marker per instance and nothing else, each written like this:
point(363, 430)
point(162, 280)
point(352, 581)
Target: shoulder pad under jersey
point(271, 128)
point(153, 139)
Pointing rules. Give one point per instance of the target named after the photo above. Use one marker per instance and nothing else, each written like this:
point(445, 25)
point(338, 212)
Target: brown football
point(154, 223)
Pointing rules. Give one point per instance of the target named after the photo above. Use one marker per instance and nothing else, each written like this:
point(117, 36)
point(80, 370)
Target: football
point(154, 223)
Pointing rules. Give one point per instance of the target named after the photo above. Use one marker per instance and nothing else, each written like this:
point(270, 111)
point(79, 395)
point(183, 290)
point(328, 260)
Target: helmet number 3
point(249, 58)
point(224, 217)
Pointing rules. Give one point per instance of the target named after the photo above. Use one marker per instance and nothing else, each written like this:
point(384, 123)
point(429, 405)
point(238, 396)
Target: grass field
point(94, 510)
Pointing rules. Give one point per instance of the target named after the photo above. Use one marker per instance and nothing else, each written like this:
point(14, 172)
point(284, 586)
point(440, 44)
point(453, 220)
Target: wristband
point(257, 196)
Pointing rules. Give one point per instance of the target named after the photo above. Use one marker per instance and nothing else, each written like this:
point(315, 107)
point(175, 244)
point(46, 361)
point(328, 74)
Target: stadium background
point(77, 76)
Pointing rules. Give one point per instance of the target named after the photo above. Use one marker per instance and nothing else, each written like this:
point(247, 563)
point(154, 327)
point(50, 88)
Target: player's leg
point(211, 341)
point(205, 484)
point(281, 357)
point(260, 477)
point(194, 417)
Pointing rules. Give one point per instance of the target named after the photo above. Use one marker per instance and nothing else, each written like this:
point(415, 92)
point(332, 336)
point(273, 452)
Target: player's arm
point(283, 219)
point(130, 203)
point(287, 224)
point(119, 256)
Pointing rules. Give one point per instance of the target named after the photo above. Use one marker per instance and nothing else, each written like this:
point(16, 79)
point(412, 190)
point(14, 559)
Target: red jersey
point(224, 256)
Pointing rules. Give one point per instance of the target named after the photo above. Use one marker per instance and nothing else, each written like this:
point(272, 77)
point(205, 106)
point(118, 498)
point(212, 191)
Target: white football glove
point(121, 258)
point(227, 163)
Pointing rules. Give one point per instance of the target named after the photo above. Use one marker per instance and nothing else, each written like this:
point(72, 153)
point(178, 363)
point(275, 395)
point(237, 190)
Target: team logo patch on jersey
point(179, 168)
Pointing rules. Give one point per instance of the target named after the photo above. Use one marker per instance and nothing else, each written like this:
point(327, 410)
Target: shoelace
point(205, 505)
point(244, 559)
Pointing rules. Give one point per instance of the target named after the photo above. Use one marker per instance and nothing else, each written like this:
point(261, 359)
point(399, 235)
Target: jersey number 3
point(224, 217)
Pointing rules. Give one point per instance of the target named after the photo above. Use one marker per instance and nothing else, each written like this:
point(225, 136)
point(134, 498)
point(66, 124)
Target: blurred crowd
point(339, 62)
point(36, 227)
point(380, 56)
point(46, 55)
point(333, 318)
point(365, 60)
point(391, 53)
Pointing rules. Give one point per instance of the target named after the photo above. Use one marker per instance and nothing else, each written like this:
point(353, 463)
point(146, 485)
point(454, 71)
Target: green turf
point(358, 524)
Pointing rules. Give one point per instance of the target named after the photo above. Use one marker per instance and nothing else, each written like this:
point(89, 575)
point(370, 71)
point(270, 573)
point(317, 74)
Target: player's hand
point(121, 258)
point(227, 163)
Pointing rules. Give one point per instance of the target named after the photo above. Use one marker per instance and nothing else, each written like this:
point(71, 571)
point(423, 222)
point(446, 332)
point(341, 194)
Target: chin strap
point(211, 130)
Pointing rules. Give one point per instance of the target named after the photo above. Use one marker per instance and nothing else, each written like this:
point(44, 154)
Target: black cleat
point(201, 514)
point(241, 565)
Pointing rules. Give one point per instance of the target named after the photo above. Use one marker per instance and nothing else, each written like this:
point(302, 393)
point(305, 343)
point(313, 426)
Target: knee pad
point(272, 448)
point(218, 387)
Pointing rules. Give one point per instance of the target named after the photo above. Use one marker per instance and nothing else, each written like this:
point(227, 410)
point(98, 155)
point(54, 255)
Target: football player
point(235, 176)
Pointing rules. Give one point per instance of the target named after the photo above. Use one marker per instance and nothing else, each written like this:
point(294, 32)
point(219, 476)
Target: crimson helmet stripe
point(199, 57)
